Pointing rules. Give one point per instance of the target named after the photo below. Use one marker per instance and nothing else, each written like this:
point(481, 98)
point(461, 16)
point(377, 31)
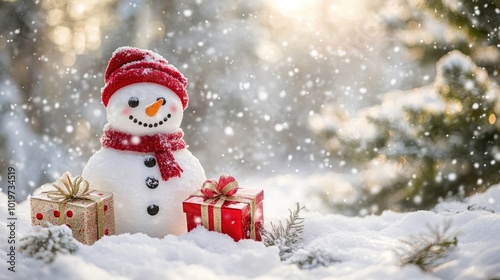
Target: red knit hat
point(132, 65)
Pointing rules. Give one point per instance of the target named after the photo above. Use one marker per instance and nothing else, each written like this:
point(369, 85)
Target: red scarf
point(162, 145)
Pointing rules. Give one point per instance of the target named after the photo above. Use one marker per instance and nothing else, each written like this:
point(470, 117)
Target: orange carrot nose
point(152, 109)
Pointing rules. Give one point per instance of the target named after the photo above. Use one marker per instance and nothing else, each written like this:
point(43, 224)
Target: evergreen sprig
point(286, 235)
point(45, 243)
point(312, 258)
point(427, 248)
point(474, 207)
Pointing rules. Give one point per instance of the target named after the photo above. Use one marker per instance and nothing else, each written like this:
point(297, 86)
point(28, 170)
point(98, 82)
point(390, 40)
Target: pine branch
point(458, 19)
point(312, 258)
point(45, 243)
point(474, 207)
point(426, 249)
point(285, 236)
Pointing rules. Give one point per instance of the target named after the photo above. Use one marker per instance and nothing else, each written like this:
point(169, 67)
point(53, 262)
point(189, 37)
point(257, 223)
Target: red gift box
point(89, 214)
point(239, 214)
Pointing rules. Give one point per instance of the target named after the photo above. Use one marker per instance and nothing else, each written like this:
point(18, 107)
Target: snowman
point(144, 161)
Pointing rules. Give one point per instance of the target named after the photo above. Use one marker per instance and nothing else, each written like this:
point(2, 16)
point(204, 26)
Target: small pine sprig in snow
point(312, 258)
point(45, 243)
point(426, 249)
point(475, 207)
point(285, 236)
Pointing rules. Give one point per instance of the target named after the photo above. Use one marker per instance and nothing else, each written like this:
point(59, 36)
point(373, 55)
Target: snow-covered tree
point(434, 141)
point(431, 28)
point(424, 144)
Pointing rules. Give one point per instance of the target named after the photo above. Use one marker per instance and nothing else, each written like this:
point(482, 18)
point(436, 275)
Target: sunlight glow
point(76, 25)
point(292, 7)
point(314, 10)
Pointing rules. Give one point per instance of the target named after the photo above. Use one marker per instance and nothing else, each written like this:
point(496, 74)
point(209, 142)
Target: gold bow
point(70, 189)
point(78, 188)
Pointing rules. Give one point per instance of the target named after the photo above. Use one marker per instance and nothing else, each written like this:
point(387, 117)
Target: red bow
point(226, 186)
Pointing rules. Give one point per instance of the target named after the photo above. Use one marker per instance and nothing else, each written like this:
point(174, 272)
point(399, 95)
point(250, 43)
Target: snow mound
point(344, 247)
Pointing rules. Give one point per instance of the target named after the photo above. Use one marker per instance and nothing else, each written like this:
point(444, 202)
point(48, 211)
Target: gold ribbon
point(78, 188)
point(71, 188)
point(219, 193)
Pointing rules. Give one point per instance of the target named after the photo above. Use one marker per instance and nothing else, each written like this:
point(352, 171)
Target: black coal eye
point(162, 99)
point(133, 102)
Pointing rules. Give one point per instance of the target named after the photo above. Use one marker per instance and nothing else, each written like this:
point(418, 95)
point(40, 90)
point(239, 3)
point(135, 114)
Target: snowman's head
point(144, 109)
point(143, 94)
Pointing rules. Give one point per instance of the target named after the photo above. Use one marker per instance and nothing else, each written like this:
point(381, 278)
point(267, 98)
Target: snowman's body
point(144, 201)
point(137, 186)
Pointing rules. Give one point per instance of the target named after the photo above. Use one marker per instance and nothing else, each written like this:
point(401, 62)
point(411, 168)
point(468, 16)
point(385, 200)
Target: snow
point(351, 247)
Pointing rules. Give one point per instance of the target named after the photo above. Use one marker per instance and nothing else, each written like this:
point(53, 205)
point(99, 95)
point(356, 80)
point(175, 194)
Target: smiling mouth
point(145, 124)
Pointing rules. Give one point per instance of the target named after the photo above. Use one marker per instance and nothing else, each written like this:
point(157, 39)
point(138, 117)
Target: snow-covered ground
point(358, 247)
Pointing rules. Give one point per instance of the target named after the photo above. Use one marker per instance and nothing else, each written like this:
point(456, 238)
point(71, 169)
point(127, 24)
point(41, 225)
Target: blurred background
point(276, 88)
